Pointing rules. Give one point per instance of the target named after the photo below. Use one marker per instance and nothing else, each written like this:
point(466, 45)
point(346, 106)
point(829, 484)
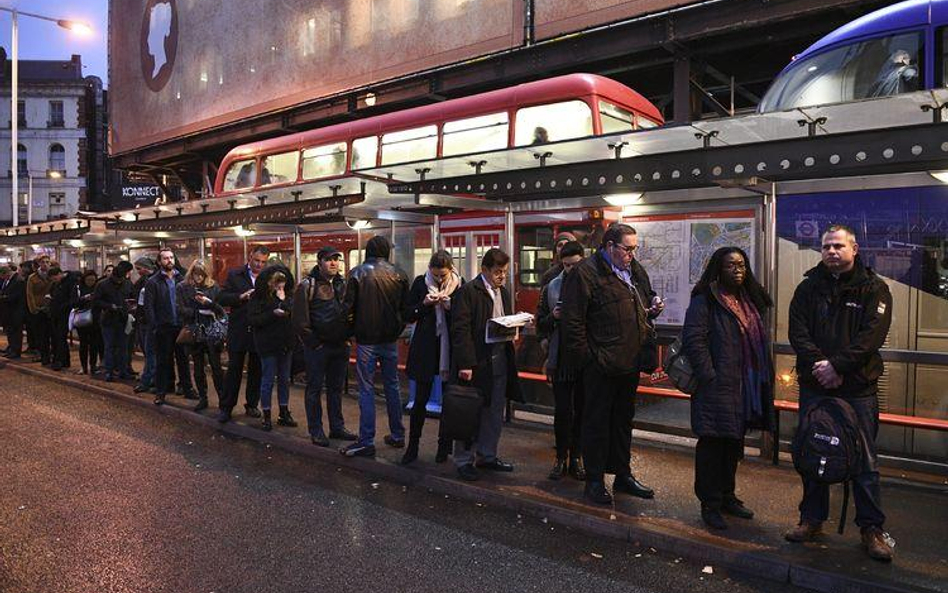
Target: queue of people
point(595, 320)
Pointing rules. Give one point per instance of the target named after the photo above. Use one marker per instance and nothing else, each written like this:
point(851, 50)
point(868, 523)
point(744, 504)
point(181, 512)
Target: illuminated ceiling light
point(128, 241)
point(358, 225)
point(370, 99)
point(242, 232)
point(623, 199)
point(940, 175)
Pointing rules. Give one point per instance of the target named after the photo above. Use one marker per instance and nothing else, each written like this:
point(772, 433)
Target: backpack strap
point(842, 515)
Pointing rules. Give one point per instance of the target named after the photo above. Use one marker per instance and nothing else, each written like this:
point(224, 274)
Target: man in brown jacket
point(37, 302)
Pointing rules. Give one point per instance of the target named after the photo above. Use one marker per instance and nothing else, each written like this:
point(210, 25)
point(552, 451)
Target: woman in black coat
point(196, 299)
point(269, 315)
point(111, 301)
point(429, 308)
point(725, 339)
point(90, 336)
point(62, 296)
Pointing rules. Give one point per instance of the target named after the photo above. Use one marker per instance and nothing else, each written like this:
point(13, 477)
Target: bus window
point(324, 161)
point(941, 42)
point(410, 145)
point(240, 175)
point(364, 151)
point(279, 168)
point(614, 118)
point(475, 134)
point(536, 254)
point(864, 69)
point(556, 121)
point(645, 123)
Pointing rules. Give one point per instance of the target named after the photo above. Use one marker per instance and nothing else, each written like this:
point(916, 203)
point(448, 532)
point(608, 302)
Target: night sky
point(42, 40)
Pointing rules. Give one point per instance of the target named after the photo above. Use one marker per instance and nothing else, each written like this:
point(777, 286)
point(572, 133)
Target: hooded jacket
point(272, 334)
point(844, 320)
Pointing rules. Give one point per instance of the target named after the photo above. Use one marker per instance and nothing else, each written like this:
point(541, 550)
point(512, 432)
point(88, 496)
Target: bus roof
point(537, 92)
point(911, 13)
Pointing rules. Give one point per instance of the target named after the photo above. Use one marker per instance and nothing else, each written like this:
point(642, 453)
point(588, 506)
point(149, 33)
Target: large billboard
point(182, 66)
point(555, 17)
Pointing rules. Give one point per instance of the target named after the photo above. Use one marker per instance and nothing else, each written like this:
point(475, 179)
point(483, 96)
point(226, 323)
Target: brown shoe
point(804, 532)
point(878, 544)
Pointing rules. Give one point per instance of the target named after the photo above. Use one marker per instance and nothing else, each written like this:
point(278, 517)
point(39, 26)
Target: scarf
point(754, 351)
point(435, 289)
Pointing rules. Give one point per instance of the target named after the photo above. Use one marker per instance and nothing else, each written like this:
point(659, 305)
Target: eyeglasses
point(735, 266)
point(630, 249)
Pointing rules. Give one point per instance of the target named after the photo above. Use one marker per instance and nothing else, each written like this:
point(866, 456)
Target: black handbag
point(678, 369)
point(461, 407)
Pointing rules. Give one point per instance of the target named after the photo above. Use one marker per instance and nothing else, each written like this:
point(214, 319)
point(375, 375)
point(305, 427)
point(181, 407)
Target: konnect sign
point(131, 195)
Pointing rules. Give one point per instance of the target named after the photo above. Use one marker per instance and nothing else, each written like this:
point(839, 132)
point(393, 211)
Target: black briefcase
point(460, 412)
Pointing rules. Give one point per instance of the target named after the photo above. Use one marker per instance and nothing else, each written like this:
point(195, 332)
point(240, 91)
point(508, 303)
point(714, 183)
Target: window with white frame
point(57, 159)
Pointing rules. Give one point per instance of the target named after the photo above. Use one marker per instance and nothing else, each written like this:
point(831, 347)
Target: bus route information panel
point(675, 248)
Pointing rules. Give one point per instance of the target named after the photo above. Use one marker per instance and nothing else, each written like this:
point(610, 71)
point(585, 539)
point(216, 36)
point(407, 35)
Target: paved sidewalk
point(918, 515)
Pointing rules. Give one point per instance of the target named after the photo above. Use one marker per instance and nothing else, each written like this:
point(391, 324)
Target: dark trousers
point(42, 336)
point(90, 346)
point(419, 412)
point(814, 508)
point(568, 418)
point(15, 334)
point(113, 336)
point(716, 460)
point(607, 423)
point(183, 366)
point(235, 374)
point(32, 341)
point(327, 366)
point(59, 340)
point(200, 353)
point(165, 336)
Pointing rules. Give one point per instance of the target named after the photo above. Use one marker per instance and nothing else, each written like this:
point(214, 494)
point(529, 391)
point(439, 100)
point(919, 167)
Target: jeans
point(367, 357)
point(275, 366)
point(325, 365)
point(814, 508)
point(146, 341)
point(115, 350)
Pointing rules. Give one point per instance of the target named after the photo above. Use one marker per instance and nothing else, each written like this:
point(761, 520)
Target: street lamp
point(74, 26)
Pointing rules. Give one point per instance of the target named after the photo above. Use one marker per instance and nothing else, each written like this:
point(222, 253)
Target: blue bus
point(897, 49)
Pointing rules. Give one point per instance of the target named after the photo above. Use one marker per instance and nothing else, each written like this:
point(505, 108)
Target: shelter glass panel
point(364, 152)
point(324, 161)
point(476, 134)
point(410, 145)
point(240, 175)
point(553, 122)
point(280, 168)
point(871, 68)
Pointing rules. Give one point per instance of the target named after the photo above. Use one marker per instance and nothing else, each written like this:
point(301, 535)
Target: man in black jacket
point(320, 320)
point(235, 294)
point(839, 319)
point(603, 326)
point(376, 296)
point(491, 367)
point(161, 310)
point(14, 300)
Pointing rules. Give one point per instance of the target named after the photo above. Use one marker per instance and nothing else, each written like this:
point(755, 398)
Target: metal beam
point(280, 212)
point(391, 215)
point(443, 201)
point(853, 154)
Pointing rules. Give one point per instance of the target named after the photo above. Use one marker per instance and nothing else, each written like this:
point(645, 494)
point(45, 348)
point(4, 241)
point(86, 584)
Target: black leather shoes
point(468, 473)
point(577, 469)
point(444, 449)
point(252, 412)
point(393, 442)
point(223, 416)
point(496, 465)
point(558, 470)
point(343, 435)
point(201, 405)
point(596, 492)
point(713, 519)
point(736, 508)
point(319, 439)
point(629, 485)
point(160, 400)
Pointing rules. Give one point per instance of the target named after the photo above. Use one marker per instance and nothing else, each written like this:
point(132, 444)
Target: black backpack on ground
point(827, 447)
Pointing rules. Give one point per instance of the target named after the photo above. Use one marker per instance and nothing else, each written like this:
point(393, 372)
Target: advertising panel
point(182, 66)
point(555, 17)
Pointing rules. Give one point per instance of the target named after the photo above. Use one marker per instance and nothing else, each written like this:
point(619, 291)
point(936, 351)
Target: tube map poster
point(674, 250)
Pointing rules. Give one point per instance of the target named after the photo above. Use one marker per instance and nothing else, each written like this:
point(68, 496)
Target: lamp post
point(75, 26)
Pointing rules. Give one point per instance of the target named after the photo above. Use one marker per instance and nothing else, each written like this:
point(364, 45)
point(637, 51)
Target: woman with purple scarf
point(725, 339)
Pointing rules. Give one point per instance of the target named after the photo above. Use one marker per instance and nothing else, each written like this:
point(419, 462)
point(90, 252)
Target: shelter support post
point(298, 253)
point(436, 233)
point(770, 443)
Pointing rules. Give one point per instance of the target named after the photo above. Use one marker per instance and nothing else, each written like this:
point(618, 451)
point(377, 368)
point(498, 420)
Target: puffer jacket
point(376, 297)
point(319, 314)
point(843, 320)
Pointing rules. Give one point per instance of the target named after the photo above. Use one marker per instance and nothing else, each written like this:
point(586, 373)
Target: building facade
point(61, 152)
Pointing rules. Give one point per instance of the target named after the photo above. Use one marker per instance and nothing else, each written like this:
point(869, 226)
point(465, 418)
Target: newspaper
point(506, 328)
